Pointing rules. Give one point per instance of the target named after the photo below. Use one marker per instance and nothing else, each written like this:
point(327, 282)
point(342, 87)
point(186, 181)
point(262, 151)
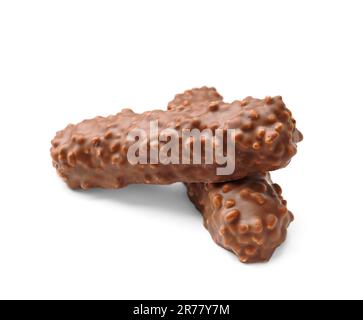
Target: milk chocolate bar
point(248, 217)
point(94, 153)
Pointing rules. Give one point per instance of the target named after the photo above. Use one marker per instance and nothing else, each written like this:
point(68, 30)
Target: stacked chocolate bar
point(221, 151)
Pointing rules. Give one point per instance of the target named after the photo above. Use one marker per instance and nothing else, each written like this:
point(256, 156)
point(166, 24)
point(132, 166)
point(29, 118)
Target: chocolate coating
point(248, 217)
point(93, 153)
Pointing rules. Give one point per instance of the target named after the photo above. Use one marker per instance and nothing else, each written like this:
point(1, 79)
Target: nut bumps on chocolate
point(94, 153)
point(248, 217)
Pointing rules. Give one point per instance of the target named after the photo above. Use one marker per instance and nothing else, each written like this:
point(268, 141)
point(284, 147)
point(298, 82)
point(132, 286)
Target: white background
point(64, 61)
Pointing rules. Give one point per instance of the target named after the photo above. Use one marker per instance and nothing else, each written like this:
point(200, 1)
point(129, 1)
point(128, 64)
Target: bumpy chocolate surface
point(248, 217)
point(93, 153)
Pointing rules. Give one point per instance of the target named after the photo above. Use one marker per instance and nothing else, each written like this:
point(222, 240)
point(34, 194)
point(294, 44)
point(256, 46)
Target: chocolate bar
point(248, 217)
point(96, 152)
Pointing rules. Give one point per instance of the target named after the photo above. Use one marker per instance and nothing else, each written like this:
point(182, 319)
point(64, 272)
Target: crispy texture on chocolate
point(93, 153)
point(248, 217)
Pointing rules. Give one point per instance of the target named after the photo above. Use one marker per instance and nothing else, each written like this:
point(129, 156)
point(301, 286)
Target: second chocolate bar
point(248, 217)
